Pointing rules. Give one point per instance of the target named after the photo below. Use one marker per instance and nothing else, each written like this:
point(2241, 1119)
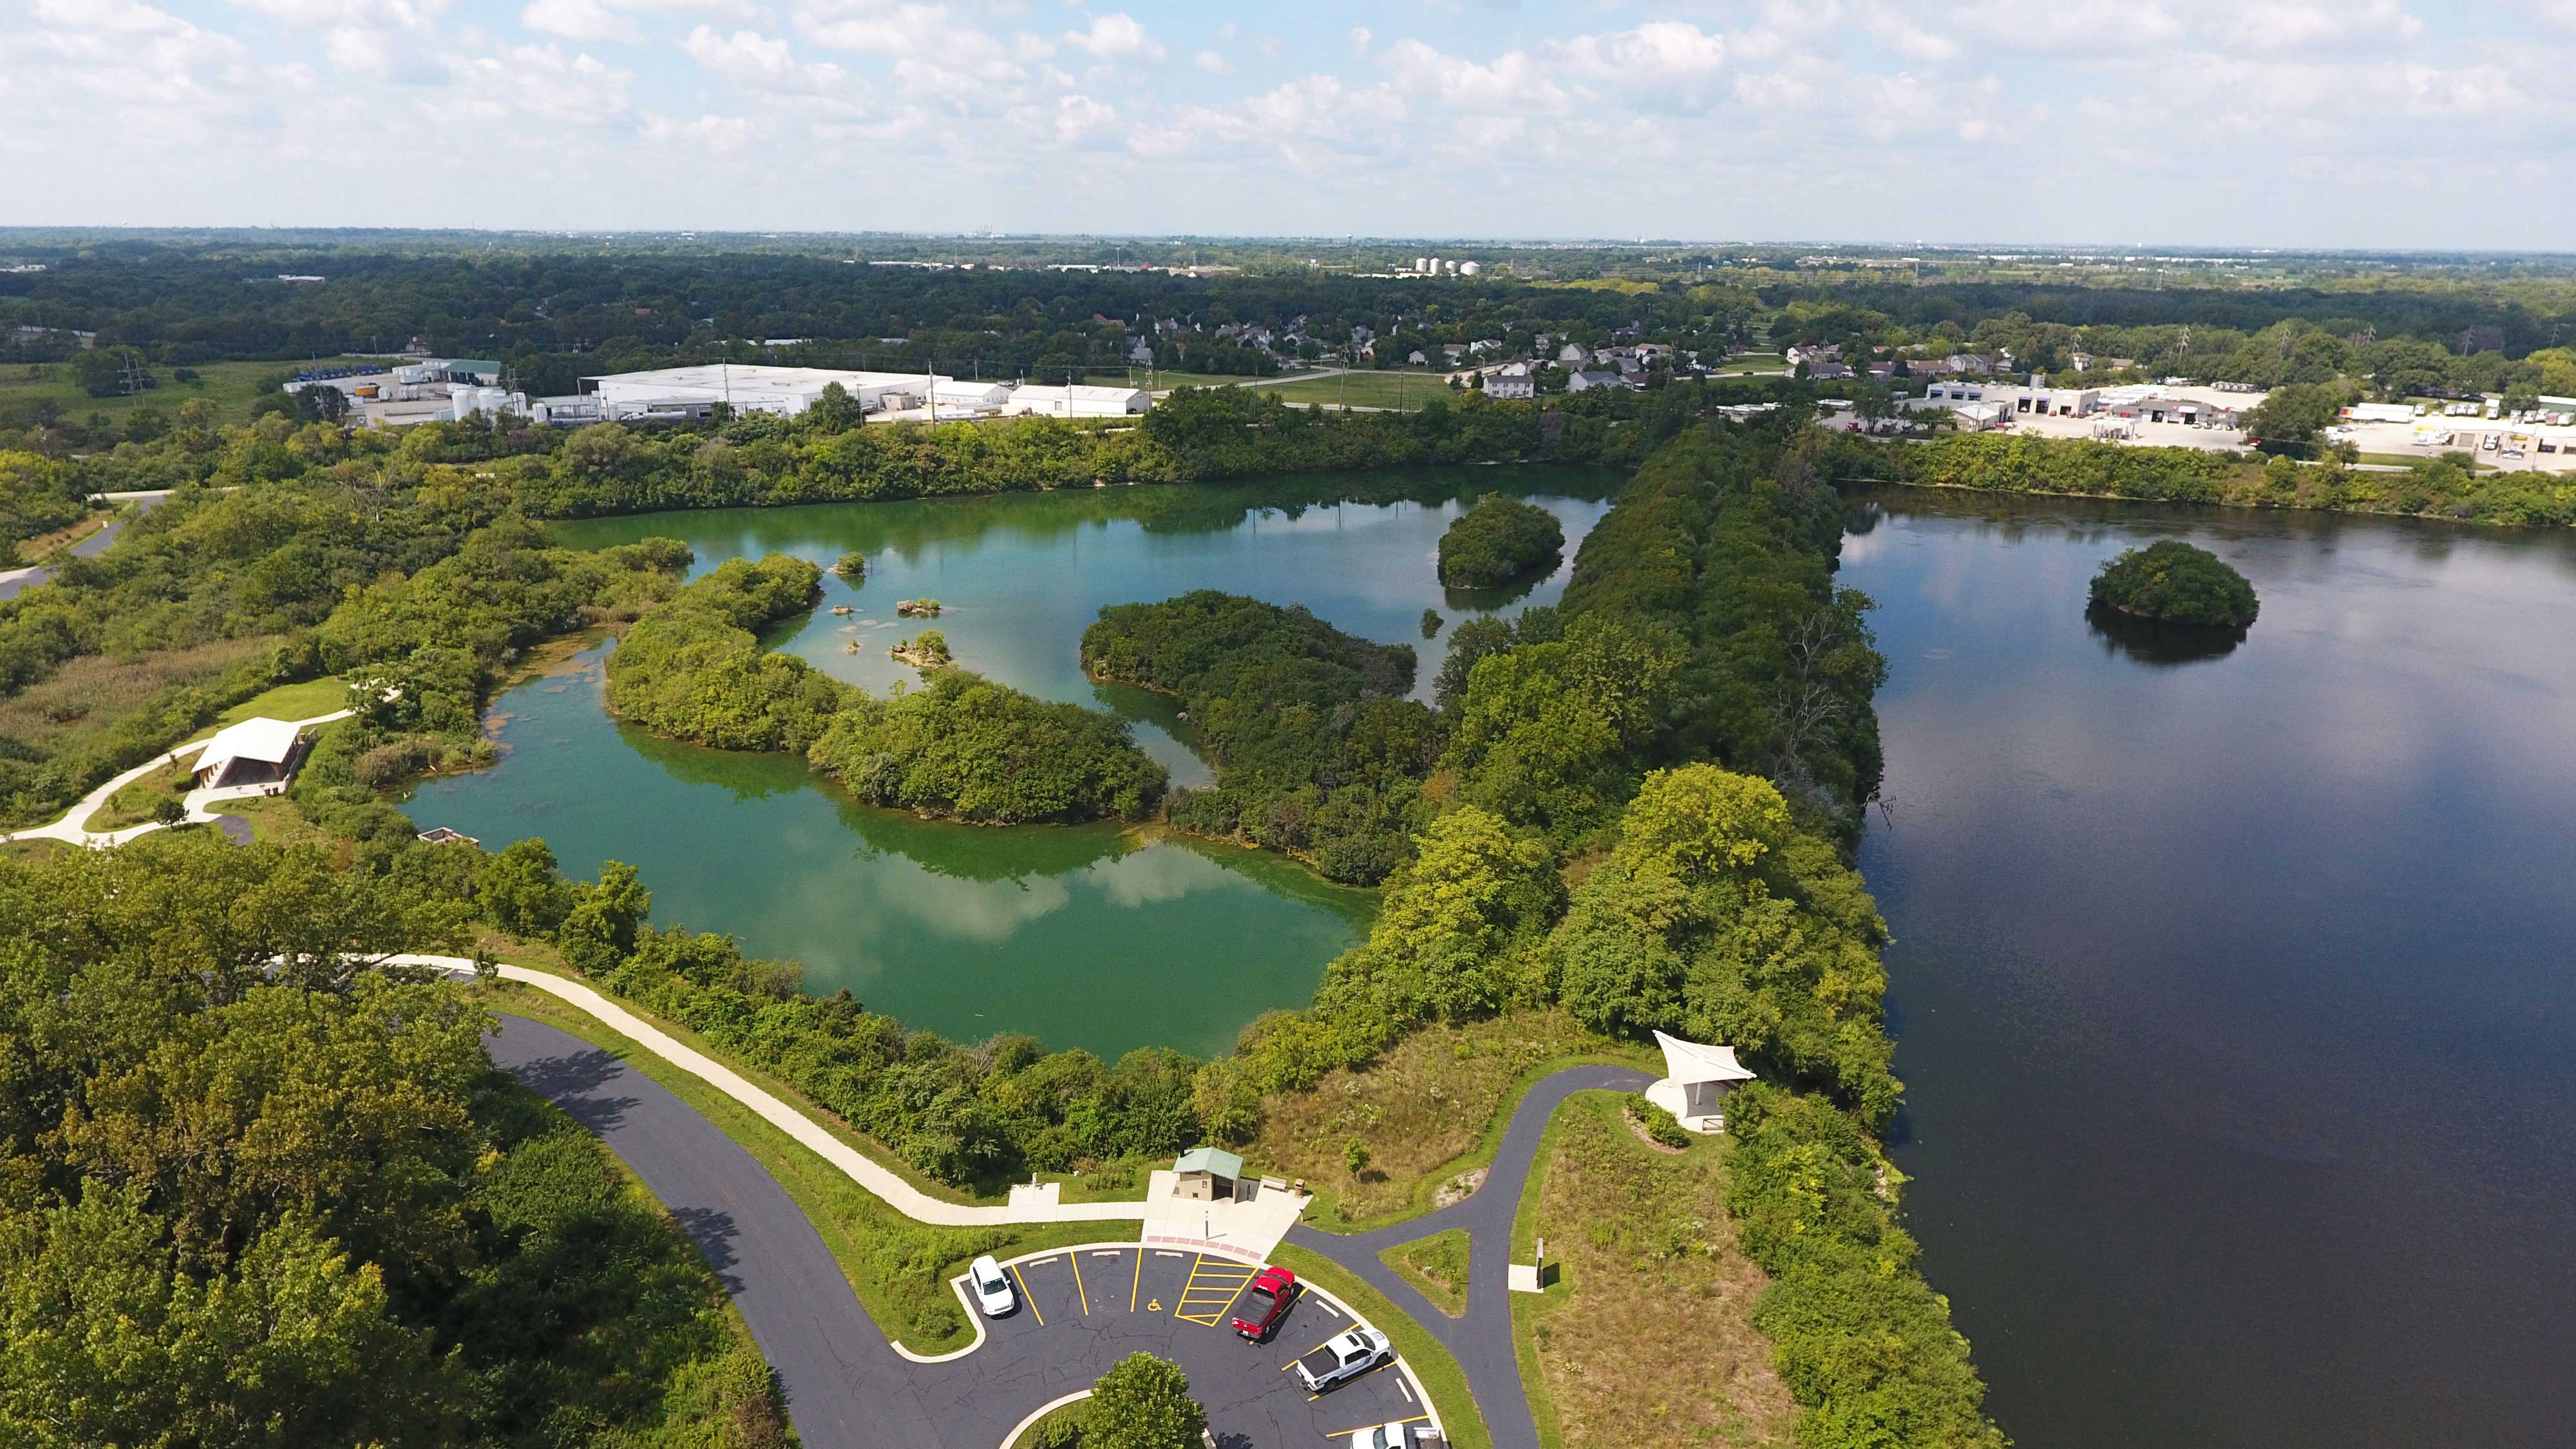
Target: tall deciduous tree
point(1143, 1403)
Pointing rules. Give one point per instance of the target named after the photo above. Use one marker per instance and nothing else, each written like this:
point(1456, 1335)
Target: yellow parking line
point(1076, 1261)
point(1138, 1279)
point(1025, 1294)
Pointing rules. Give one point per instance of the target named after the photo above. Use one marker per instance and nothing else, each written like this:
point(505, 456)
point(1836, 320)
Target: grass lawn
point(1441, 1377)
point(230, 386)
point(25, 850)
point(1162, 378)
point(1639, 1235)
point(1367, 389)
point(1437, 1265)
point(286, 701)
point(1429, 1111)
point(137, 802)
point(898, 1268)
point(1751, 362)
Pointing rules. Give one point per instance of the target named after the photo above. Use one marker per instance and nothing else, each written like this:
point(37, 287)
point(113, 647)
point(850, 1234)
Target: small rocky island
point(2172, 582)
point(925, 650)
point(1497, 541)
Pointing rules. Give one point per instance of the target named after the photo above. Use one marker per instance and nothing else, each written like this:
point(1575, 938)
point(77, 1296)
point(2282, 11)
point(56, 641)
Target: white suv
point(992, 1289)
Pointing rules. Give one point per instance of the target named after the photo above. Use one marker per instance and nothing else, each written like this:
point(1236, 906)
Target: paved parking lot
point(1083, 1309)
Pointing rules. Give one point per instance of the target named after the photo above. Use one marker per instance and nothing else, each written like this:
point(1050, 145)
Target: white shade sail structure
point(1697, 1077)
point(253, 752)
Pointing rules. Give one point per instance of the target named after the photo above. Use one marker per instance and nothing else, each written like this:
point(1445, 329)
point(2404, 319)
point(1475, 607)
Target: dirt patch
point(1459, 1188)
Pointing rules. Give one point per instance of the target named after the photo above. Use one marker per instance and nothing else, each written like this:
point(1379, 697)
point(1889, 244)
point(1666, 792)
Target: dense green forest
point(1318, 752)
point(294, 1203)
point(1692, 725)
point(965, 748)
point(1497, 541)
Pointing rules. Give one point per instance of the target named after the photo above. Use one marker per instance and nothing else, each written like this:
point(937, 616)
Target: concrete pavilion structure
point(258, 751)
point(1696, 1080)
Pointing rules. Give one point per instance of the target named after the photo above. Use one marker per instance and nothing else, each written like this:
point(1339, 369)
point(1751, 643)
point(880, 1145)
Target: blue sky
point(2364, 123)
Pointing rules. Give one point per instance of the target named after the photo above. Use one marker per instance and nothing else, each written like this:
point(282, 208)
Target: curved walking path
point(877, 1178)
point(800, 1309)
point(73, 828)
point(1481, 1341)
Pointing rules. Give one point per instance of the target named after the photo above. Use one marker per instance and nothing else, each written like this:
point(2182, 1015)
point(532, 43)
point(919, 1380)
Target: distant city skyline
point(2372, 125)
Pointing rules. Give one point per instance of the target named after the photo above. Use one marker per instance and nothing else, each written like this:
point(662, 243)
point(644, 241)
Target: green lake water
point(1086, 936)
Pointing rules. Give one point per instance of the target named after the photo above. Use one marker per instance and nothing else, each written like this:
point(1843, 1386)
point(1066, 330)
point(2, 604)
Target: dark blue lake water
point(2237, 998)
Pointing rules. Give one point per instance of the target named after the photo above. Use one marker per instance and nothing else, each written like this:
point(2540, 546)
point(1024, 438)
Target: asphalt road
point(1482, 1339)
point(13, 581)
point(845, 1385)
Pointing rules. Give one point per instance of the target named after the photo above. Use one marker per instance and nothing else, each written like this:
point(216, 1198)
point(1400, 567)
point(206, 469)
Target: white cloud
point(596, 20)
point(1115, 37)
point(722, 135)
point(539, 83)
point(1509, 82)
point(749, 58)
point(1077, 117)
point(1213, 63)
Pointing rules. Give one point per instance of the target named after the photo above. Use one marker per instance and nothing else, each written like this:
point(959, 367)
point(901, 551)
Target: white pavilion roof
point(268, 741)
point(1690, 1061)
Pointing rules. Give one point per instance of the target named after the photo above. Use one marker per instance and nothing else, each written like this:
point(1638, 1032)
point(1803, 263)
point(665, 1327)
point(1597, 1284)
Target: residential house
point(1513, 383)
point(1828, 371)
point(1586, 380)
point(1573, 355)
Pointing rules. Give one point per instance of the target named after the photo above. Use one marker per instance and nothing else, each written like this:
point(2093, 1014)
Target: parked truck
point(1342, 1357)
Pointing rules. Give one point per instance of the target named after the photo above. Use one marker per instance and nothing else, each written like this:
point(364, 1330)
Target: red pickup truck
point(1265, 1304)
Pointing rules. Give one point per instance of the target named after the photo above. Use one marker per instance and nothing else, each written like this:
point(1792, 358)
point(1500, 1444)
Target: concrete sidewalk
point(1251, 1228)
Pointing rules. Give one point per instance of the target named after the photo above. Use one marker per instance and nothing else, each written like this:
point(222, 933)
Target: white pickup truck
point(1344, 1356)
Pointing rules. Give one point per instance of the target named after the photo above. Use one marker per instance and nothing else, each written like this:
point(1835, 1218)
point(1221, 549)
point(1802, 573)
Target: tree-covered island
point(2172, 582)
point(1497, 541)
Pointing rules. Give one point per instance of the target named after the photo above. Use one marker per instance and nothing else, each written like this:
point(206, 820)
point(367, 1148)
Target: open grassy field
point(82, 702)
point(286, 701)
point(140, 801)
point(230, 386)
point(1751, 362)
point(1640, 1236)
point(1430, 1110)
point(1367, 389)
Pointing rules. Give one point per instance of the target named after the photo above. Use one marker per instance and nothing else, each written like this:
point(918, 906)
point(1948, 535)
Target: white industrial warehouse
point(674, 392)
point(446, 390)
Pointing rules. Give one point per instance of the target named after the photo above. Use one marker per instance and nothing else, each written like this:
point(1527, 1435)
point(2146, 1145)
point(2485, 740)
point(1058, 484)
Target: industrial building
point(685, 392)
point(1077, 401)
point(692, 392)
